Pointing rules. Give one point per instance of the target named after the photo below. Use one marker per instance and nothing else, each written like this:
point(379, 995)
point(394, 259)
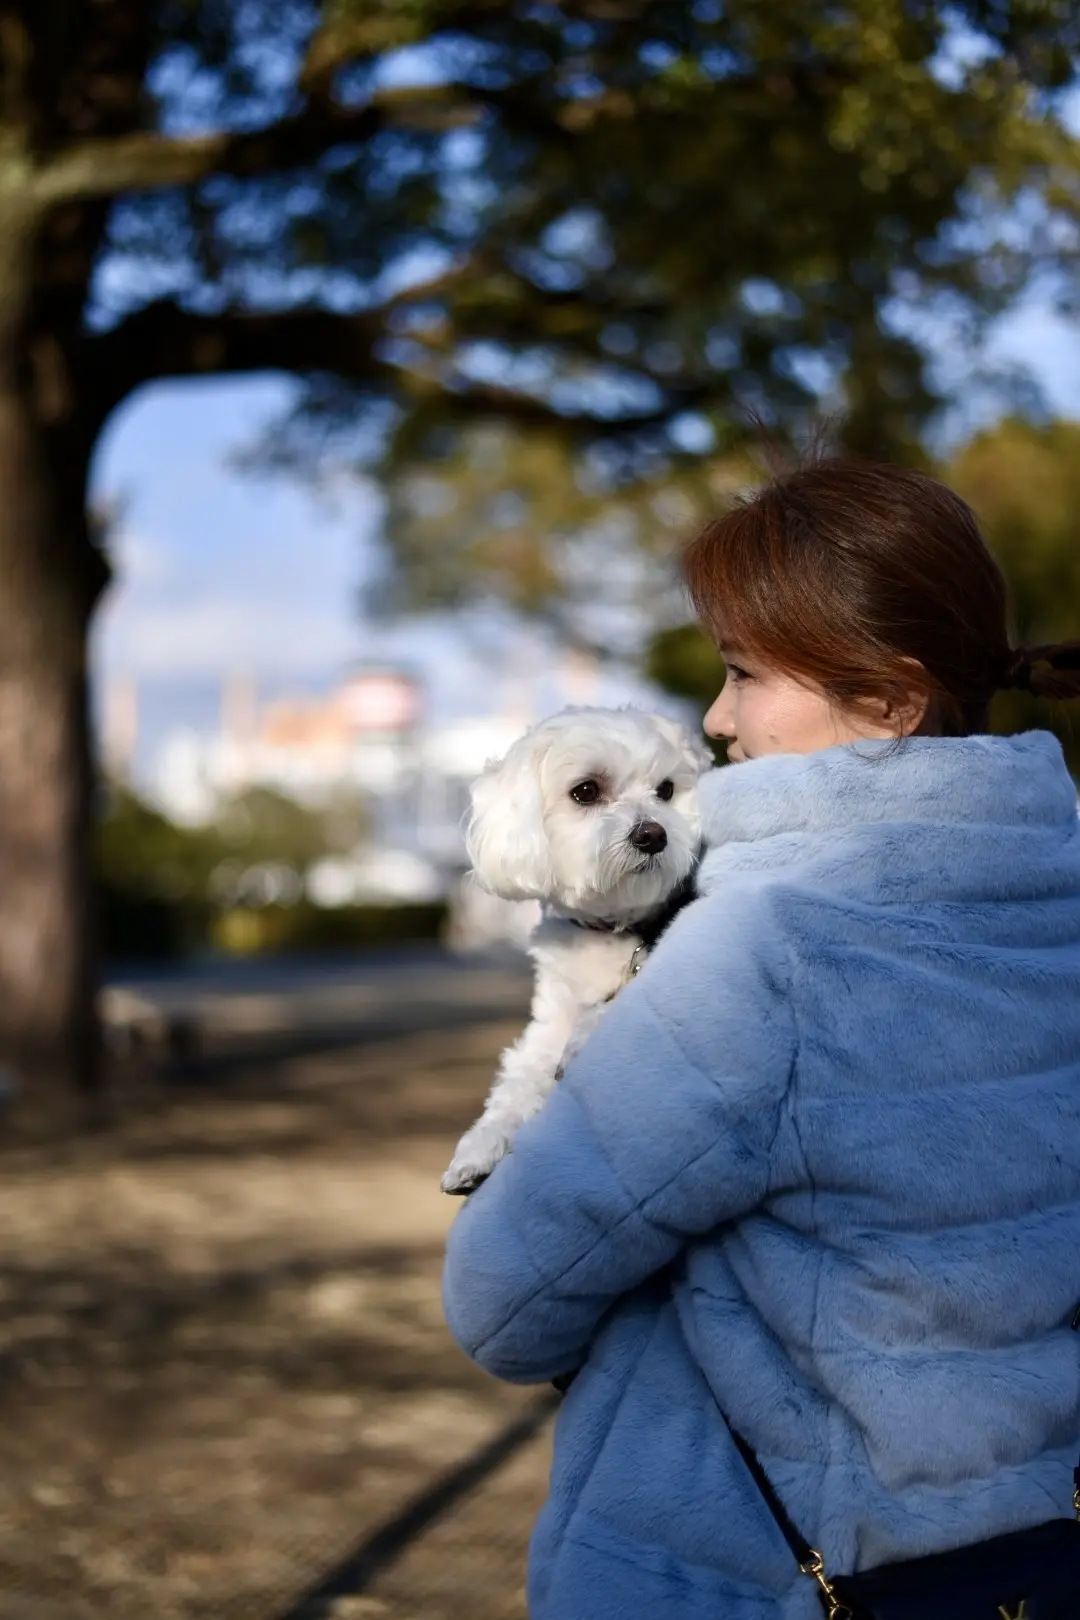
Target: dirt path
point(224, 1361)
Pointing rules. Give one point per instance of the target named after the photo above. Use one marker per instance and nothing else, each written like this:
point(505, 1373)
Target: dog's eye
point(665, 789)
point(585, 792)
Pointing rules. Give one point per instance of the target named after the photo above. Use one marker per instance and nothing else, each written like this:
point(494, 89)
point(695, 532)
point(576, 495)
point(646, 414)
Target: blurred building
point(369, 734)
point(372, 735)
point(119, 727)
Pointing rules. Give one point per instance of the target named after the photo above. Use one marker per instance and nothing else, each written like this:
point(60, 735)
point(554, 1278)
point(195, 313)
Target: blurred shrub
point(1023, 480)
point(684, 661)
point(152, 880)
point(263, 826)
point(144, 856)
point(167, 890)
point(244, 930)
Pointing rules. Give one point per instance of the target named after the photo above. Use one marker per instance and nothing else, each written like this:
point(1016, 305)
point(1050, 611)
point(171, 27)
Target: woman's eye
point(585, 792)
point(736, 673)
point(665, 789)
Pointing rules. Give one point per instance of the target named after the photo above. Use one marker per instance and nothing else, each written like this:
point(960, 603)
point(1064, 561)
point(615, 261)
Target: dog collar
point(646, 930)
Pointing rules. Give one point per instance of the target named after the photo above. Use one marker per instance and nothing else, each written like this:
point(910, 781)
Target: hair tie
point(1016, 676)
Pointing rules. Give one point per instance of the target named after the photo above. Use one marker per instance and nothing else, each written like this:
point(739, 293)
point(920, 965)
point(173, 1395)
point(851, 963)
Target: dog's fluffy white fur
point(600, 869)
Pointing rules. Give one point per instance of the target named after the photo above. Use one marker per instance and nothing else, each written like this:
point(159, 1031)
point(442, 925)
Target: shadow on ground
point(226, 1388)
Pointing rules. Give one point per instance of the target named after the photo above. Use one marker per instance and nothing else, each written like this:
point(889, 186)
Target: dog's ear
point(506, 840)
point(696, 755)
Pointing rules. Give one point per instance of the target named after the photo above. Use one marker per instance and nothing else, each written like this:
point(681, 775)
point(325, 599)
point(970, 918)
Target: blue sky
point(220, 572)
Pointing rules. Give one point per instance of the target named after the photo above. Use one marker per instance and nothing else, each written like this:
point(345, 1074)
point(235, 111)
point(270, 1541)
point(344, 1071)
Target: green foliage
point(569, 251)
point(141, 853)
point(1023, 481)
point(263, 825)
point(304, 927)
point(153, 880)
point(517, 517)
point(166, 890)
point(539, 264)
point(682, 660)
point(673, 218)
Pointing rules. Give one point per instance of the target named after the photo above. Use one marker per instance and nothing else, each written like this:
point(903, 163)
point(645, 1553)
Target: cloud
point(217, 571)
point(279, 604)
point(140, 562)
point(155, 632)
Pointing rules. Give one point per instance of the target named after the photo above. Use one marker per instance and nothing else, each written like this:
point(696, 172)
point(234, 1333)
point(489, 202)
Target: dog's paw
point(478, 1152)
point(463, 1187)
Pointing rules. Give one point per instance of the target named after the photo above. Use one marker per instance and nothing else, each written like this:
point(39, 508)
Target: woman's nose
point(718, 722)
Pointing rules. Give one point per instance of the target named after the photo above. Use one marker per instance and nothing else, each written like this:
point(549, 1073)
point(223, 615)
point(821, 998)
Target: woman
point(817, 1175)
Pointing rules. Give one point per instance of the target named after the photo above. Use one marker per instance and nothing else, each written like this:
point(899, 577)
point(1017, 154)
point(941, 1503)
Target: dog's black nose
point(649, 836)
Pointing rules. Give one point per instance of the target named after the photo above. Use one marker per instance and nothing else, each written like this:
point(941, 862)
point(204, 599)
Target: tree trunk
point(49, 1038)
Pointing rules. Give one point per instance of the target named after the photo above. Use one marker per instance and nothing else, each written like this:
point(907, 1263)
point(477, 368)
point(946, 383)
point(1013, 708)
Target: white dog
point(594, 813)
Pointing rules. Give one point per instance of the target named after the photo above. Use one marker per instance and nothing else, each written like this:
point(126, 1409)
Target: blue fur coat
point(819, 1167)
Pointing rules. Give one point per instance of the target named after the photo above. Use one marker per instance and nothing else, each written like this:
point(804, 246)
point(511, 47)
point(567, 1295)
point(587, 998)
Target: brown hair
point(843, 571)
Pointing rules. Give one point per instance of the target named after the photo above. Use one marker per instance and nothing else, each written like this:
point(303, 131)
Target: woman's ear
point(907, 712)
point(911, 712)
point(909, 717)
point(506, 840)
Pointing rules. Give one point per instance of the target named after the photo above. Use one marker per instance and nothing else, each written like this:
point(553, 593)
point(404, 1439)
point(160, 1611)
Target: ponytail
point(1052, 671)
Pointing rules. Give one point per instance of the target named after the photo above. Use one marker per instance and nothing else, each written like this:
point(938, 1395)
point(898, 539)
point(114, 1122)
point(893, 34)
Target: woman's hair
point(850, 574)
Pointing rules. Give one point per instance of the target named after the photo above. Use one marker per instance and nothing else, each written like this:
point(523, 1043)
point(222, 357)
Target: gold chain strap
point(815, 1568)
point(836, 1609)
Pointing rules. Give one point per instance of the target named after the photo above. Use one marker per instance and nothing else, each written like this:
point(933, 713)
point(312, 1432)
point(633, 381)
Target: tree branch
point(16, 53)
point(145, 160)
point(164, 340)
point(478, 399)
point(344, 37)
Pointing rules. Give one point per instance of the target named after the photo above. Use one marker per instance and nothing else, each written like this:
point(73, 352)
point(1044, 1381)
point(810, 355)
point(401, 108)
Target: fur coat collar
point(1014, 793)
point(1019, 780)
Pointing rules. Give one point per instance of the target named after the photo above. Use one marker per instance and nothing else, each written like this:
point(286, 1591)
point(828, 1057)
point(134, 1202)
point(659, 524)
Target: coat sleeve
point(662, 1127)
